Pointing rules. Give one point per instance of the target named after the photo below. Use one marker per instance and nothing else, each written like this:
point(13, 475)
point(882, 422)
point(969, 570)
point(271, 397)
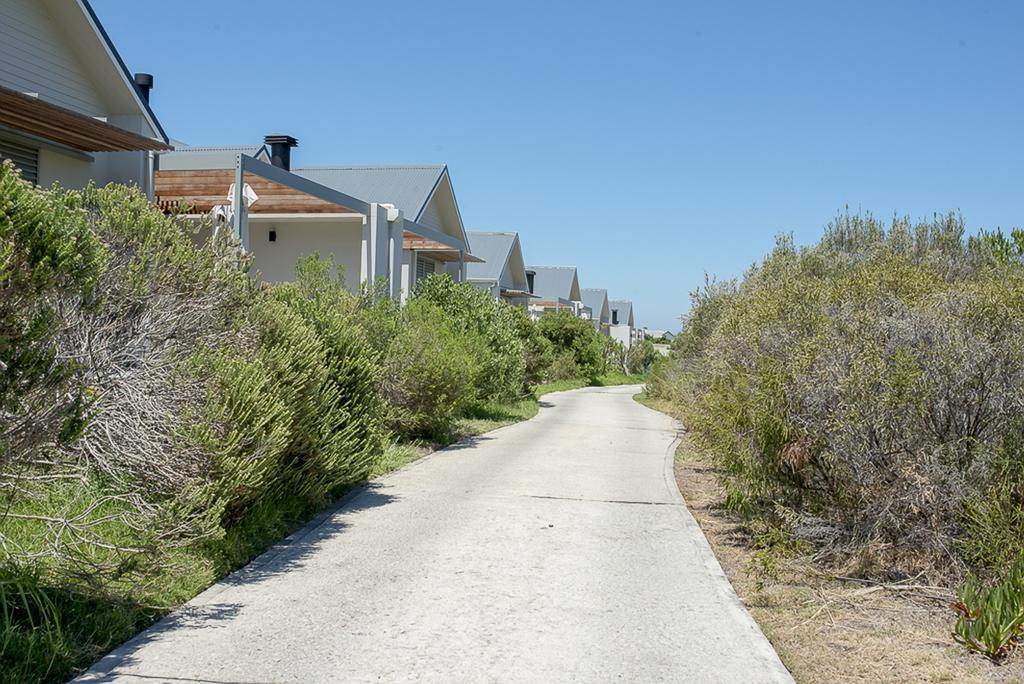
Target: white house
point(503, 270)
point(281, 215)
point(620, 324)
point(426, 198)
point(70, 111)
point(556, 288)
point(596, 299)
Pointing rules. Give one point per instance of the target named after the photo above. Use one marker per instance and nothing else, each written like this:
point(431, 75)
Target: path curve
point(557, 549)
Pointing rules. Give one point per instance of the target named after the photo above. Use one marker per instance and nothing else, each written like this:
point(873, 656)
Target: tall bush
point(430, 371)
point(870, 385)
point(575, 339)
point(476, 314)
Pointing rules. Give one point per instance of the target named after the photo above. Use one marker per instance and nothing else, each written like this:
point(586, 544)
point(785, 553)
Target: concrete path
point(558, 549)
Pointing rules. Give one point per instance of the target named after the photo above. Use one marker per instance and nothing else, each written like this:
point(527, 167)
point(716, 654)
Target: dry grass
point(827, 629)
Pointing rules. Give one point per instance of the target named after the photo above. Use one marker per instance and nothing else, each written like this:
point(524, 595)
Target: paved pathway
point(554, 550)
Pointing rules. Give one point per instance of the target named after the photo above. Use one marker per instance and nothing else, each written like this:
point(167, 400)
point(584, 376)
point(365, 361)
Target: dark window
point(424, 267)
point(615, 316)
point(272, 236)
point(25, 158)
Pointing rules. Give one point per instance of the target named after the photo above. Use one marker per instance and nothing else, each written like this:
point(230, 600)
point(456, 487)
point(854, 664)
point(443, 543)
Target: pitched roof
point(407, 187)
point(495, 249)
point(597, 299)
point(129, 79)
point(555, 282)
point(625, 308)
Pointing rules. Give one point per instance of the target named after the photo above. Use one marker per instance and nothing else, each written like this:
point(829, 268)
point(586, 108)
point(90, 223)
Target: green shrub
point(640, 357)
point(567, 333)
point(537, 350)
point(208, 414)
point(48, 256)
point(430, 371)
point(476, 313)
point(563, 367)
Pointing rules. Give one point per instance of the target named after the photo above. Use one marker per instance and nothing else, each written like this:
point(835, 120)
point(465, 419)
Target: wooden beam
point(49, 121)
point(200, 190)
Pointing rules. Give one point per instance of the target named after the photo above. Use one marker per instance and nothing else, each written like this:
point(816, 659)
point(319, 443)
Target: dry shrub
point(870, 385)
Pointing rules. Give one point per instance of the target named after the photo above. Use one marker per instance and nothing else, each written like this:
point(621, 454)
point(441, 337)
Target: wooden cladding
point(435, 250)
point(197, 191)
point(33, 116)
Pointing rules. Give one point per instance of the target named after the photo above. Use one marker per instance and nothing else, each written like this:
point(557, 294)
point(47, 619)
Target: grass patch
point(656, 403)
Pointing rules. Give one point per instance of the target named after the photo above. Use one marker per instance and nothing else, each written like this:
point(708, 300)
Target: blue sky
point(645, 143)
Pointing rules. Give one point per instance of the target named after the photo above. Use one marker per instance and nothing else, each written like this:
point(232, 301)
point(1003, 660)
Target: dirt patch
point(827, 630)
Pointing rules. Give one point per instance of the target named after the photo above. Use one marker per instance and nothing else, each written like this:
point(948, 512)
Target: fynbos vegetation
point(864, 395)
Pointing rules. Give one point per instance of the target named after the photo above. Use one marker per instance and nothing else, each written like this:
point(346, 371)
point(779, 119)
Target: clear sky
point(645, 143)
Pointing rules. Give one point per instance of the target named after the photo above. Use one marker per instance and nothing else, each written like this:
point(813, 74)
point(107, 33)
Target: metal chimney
point(144, 84)
point(281, 150)
point(529, 280)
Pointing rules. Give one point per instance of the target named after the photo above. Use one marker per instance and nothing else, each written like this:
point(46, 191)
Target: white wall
point(276, 260)
point(36, 57)
point(621, 333)
point(71, 171)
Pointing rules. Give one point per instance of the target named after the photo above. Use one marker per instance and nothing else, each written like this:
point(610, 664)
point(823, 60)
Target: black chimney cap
point(281, 140)
point(143, 84)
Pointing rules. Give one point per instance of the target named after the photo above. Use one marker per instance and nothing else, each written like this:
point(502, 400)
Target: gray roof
point(553, 281)
point(625, 308)
point(494, 249)
point(142, 101)
point(187, 156)
point(407, 187)
point(595, 298)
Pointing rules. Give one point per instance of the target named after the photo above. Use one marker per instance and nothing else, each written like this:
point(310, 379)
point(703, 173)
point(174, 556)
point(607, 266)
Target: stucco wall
point(71, 171)
point(621, 333)
point(276, 260)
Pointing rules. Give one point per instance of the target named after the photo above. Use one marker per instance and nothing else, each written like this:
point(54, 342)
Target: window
point(424, 267)
point(615, 316)
point(25, 158)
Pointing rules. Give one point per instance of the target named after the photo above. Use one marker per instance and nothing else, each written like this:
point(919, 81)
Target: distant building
point(556, 288)
point(502, 271)
point(620, 325)
point(596, 299)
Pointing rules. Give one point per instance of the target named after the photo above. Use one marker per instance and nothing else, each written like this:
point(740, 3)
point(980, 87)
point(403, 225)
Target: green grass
point(657, 404)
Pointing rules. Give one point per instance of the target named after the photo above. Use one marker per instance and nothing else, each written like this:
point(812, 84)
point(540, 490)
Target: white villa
point(502, 271)
point(287, 213)
point(70, 111)
point(557, 288)
point(620, 324)
point(596, 299)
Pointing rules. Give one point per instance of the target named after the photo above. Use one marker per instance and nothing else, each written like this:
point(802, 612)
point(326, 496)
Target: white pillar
point(396, 231)
point(241, 215)
point(365, 267)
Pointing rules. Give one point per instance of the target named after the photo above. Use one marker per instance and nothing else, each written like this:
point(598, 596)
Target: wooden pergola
point(433, 249)
point(197, 191)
